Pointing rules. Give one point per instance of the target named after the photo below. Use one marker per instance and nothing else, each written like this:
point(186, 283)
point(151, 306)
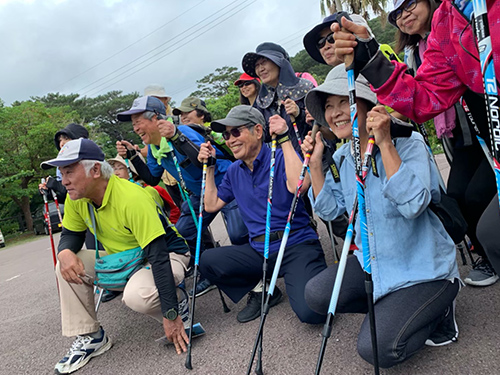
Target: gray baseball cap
point(140, 105)
point(238, 116)
point(336, 84)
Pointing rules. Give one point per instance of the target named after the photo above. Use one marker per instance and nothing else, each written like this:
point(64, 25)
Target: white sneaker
point(82, 350)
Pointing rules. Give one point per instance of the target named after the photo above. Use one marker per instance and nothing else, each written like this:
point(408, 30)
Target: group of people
point(414, 269)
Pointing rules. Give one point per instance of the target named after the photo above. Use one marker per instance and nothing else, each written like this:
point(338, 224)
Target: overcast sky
point(89, 46)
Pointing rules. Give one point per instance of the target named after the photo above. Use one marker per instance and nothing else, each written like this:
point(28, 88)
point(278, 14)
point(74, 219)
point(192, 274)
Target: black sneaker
point(203, 286)
point(447, 331)
point(110, 295)
point(254, 301)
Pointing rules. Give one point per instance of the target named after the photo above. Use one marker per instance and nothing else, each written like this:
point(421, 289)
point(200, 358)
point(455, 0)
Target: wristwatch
point(171, 314)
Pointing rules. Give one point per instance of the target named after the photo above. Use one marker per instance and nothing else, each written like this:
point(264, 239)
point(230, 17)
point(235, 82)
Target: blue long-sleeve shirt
point(191, 174)
point(408, 243)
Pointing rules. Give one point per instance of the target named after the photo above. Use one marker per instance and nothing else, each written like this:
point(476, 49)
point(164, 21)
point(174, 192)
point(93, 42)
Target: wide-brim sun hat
point(269, 50)
point(157, 91)
point(336, 84)
point(311, 38)
point(390, 16)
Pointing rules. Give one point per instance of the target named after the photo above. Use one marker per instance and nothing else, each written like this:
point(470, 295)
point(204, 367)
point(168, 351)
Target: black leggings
point(488, 233)
point(472, 184)
point(405, 318)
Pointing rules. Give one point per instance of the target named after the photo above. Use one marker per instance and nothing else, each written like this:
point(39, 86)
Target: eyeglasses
point(246, 83)
point(409, 6)
point(235, 132)
point(328, 38)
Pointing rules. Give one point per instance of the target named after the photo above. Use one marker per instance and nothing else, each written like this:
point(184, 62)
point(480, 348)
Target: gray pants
point(404, 319)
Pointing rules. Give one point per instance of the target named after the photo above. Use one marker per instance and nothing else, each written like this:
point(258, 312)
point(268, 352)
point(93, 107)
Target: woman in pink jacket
point(450, 69)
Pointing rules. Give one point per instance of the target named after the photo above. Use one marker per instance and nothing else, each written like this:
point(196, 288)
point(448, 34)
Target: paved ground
point(31, 342)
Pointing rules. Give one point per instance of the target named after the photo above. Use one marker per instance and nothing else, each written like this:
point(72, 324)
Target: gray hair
point(148, 115)
point(106, 169)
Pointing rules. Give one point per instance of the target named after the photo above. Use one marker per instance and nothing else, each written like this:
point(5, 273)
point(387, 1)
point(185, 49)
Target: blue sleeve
point(225, 190)
point(416, 174)
point(155, 168)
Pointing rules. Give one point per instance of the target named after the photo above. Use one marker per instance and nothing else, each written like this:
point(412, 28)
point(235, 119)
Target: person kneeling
point(413, 260)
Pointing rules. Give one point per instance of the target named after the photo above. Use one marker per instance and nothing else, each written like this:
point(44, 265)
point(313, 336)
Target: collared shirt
point(126, 219)
point(408, 243)
point(191, 174)
point(250, 189)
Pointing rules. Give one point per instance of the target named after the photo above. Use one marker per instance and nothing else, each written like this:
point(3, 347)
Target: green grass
point(19, 238)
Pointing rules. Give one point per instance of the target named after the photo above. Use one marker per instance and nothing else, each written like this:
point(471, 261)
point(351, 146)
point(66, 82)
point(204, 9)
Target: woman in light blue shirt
point(414, 269)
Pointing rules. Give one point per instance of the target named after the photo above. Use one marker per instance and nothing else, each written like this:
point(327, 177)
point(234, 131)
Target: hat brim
point(219, 126)
point(127, 115)
point(311, 40)
point(390, 16)
point(116, 160)
point(250, 59)
point(315, 98)
point(57, 163)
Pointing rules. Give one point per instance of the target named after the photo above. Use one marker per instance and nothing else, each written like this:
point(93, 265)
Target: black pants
point(472, 184)
point(237, 269)
point(404, 319)
point(488, 233)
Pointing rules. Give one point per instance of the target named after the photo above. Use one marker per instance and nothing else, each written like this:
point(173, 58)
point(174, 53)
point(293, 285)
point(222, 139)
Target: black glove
point(363, 52)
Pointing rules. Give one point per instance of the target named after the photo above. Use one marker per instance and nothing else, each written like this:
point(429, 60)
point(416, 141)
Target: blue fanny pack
point(113, 271)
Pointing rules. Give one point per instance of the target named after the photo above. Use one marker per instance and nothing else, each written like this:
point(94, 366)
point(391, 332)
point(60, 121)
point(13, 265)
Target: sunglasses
point(235, 132)
point(328, 38)
point(246, 83)
point(408, 6)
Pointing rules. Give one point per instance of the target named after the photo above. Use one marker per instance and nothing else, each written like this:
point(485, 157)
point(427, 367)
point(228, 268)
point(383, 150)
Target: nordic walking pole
point(327, 328)
point(47, 220)
point(196, 263)
point(281, 251)
point(490, 82)
point(349, 63)
point(258, 369)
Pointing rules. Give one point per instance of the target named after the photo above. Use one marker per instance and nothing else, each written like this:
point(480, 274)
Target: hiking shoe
point(447, 330)
point(82, 350)
point(481, 274)
point(183, 308)
point(203, 286)
point(254, 301)
point(110, 295)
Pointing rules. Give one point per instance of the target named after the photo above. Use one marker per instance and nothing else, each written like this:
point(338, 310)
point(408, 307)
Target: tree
point(354, 6)
point(26, 139)
point(99, 114)
point(215, 85)
point(219, 107)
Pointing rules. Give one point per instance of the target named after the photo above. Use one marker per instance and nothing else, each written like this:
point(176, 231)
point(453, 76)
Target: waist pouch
point(448, 212)
point(114, 270)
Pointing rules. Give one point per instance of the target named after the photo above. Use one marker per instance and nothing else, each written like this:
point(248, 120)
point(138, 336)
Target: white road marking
point(15, 277)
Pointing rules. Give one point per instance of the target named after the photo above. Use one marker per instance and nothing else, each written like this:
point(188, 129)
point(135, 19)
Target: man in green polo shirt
point(126, 217)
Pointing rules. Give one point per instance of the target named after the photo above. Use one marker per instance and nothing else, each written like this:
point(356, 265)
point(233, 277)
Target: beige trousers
point(78, 314)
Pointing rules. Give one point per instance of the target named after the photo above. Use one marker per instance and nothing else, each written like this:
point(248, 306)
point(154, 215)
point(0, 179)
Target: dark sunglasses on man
point(322, 41)
point(245, 83)
point(235, 132)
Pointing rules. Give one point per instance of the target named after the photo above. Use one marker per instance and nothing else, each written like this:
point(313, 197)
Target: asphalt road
point(31, 343)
